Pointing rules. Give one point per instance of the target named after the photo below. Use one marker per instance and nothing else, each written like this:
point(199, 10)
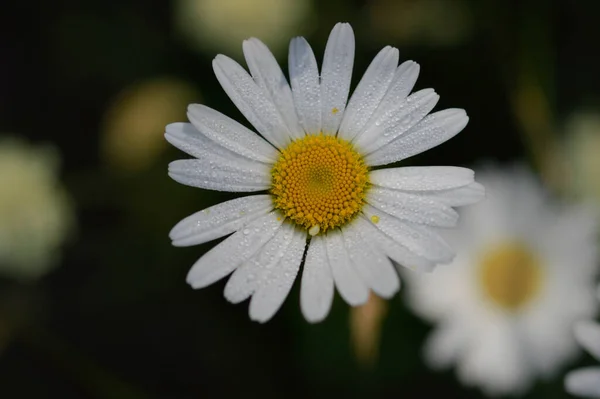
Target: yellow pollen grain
point(334, 111)
point(510, 276)
point(319, 182)
point(375, 219)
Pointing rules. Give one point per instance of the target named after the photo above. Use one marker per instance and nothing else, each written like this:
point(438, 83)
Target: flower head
point(324, 207)
point(523, 274)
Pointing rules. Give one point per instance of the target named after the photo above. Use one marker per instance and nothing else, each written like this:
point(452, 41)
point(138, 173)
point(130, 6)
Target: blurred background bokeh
point(93, 299)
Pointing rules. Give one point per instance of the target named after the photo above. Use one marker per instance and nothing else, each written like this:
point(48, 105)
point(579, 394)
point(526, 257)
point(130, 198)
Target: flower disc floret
point(319, 182)
point(511, 276)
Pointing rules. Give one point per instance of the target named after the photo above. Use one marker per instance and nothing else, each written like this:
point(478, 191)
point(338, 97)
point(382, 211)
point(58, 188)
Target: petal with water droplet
point(370, 263)
point(399, 120)
point(268, 75)
point(369, 92)
point(432, 131)
point(461, 196)
point(247, 278)
point(220, 220)
point(336, 75)
point(276, 283)
point(317, 288)
point(216, 173)
point(231, 253)
point(348, 282)
point(422, 178)
point(304, 77)
point(412, 207)
point(421, 240)
point(230, 134)
point(251, 100)
point(397, 252)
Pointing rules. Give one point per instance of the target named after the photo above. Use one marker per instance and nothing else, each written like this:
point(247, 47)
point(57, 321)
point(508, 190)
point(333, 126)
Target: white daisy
point(523, 274)
point(314, 162)
point(586, 381)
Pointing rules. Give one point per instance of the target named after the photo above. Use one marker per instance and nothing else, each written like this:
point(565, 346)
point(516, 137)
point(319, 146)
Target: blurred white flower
point(582, 132)
point(223, 24)
point(586, 381)
point(523, 275)
point(35, 213)
point(431, 22)
point(133, 126)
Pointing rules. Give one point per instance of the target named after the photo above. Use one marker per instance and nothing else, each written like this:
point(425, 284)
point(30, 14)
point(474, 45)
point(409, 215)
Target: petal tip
point(313, 319)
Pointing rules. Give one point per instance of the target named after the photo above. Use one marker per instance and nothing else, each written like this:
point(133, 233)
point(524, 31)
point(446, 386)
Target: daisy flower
point(585, 382)
point(524, 273)
point(323, 206)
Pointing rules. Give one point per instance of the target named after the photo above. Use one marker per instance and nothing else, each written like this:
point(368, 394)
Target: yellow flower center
point(510, 275)
point(319, 182)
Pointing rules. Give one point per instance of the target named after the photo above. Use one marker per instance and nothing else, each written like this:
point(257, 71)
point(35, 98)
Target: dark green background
point(117, 319)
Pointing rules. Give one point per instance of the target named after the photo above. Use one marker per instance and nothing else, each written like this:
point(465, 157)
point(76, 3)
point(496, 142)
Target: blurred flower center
point(319, 182)
point(510, 275)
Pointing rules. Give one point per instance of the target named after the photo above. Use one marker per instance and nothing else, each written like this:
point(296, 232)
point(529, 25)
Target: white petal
point(188, 139)
point(369, 92)
point(251, 100)
point(422, 178)
point(371, 264)
point(421, 240)
point(220, 220)
point(412, 207)
point(316, 291)
point(231, 253)
point(399, 121)
point(304, 77)
point(403, 82)
point(230, 134)
point(336, 75)
point(268, 75)
point(348, 282)
point(245, 279)
point(276, 285)
point(584, 382)
point(398, 253)
point(496, 359)
point(465, 195)
point(445, 344)
point(433, 130)
point(588, 336)
point(215, 173)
